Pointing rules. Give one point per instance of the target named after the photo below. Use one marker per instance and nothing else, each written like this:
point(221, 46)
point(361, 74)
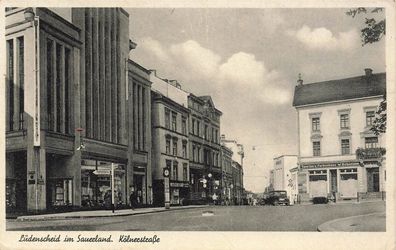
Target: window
point(371, 142)
point(50, 78)
point(213, 136)
point(174, 116)
point(345, 147)
point(316, 124)
point(184, 125)
point(370, 118)
point(167, 118)
point(174, 148)
point(185, 172)
point(174, 171)
point(206, 132)
point(167, 145)
point(197, 133)
point(316, 148)
point(184, 149)
point(58, 87)
point(344, 121)
point(67, 90)
point(10, 75)
point(198, 154)
point(193, 152)
point(21, 74)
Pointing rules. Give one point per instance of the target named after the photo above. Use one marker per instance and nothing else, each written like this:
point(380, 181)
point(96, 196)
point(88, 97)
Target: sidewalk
point(101, 213)
point(375, 222)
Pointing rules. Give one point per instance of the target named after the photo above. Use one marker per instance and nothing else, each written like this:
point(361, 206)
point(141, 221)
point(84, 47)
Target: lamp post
point(166, 173)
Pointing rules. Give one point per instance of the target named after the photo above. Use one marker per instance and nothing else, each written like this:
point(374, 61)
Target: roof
point(339, 90)
point(207, 98)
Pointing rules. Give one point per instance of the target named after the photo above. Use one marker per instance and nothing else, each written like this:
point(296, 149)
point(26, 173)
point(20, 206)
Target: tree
point(372, 32)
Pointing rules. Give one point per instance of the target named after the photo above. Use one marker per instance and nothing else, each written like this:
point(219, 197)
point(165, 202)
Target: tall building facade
point(204, 140)
point(227, 183)
point(75, 107)
point(339, 156)
point(170, 140)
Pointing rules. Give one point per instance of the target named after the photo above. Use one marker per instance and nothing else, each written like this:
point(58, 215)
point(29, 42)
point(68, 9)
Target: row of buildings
point(76, 104)
point(339, 156)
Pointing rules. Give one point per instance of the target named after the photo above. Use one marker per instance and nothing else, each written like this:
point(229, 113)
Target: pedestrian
point(132, 199)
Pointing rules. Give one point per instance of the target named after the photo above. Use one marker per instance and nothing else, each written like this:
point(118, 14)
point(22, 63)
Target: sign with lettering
point(179, 184)
point(328, 165)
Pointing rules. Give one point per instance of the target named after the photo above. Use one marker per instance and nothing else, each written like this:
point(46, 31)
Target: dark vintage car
point(277, 197)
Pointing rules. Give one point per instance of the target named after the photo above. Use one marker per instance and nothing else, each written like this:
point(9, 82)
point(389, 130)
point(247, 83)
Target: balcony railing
point(370, 153)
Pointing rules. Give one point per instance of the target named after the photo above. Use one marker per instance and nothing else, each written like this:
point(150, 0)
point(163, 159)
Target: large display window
point(60, 191)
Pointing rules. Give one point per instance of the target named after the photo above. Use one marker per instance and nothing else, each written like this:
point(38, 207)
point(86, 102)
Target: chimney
point(153, 71)
point(368, 72)
point(300, 81)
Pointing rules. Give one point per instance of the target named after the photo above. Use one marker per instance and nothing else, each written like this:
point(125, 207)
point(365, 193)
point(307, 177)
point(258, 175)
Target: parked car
point(277, 197)
point(320, 200)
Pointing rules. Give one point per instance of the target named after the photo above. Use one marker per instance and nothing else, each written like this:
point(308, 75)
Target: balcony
point(370, 153)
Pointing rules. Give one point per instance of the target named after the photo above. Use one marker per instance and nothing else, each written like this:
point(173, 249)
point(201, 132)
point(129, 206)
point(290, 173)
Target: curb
point(326, 227)
point(47, 218)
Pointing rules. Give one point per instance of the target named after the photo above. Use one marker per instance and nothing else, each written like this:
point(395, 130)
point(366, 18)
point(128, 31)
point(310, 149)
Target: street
point(224, 218)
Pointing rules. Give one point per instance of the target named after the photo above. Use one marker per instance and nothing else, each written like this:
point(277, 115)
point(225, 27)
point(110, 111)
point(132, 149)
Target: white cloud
point(243, 72)
point(199, 59)
point(240, 75)
point(154, 47)
point(322, 38)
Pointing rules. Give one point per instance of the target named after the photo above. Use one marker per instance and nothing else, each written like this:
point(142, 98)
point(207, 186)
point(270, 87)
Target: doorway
point(373, 179)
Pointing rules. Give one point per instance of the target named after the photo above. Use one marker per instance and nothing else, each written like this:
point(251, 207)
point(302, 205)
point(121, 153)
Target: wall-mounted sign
point(328, 165)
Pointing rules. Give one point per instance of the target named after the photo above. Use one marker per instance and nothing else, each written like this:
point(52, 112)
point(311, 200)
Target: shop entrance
point(16, 190)
point(138, 184)
point(373, 180)
point(333, 181)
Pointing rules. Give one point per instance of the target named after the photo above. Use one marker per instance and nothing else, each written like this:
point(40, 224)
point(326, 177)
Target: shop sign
point(102, 172)
point(179, 184)
point(329, 165)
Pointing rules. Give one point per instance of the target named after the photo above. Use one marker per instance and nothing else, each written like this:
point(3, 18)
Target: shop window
point(345, 147)
point(370, 115)
point(345, 177)
point(315, 124)
point(371, 142)
point(316, 148)
point(61, 192)
point(318, 178)
point(344, 121)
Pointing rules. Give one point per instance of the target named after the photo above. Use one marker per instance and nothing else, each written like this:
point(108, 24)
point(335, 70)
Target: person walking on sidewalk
point(132, 199)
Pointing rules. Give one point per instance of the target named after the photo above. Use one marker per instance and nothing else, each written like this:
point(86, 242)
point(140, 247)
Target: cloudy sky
point(248, 60)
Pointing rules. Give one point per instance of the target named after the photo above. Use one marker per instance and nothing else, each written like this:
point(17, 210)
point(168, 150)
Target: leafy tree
point(372, 32)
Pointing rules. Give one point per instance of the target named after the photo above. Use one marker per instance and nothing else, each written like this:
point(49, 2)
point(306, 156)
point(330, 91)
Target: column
point(16, 85)
point(62, 89)
point(108, 75)
point(114, 77)
point(95, 81)
point(140, 119)
point(53, 86)
point(36, 179)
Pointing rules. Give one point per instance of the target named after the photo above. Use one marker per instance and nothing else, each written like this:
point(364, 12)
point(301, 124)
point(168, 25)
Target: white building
point(281, 174)
point(334, 121)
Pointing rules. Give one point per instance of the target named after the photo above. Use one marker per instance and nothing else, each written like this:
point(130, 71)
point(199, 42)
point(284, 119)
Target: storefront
point(96, 184)
point(317, 183)
point(179, 191)
point(348, 186)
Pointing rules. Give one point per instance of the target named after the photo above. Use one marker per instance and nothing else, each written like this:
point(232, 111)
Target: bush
point(320, 200)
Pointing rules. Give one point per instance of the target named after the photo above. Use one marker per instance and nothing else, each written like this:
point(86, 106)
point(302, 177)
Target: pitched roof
point(339, 90)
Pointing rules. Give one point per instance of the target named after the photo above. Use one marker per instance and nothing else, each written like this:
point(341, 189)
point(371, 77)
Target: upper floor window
point(184, 149)
point(345, 147)
point(315, 124)
point(316, 148)
point(174, 123)
point(206, 132)
point(371, 142)
point(174, 148)
point(193, 152)
point(185, 172)
point(344, 121)
point(167, 146)
point(184, 125)
point(167, 118)
point(198, 125)
point(193, 125)
point(174, 171)
point(370, 115)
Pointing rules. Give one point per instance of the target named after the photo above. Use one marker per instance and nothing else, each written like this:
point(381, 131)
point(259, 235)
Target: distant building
point(282, 176)
point(237, 177)
point(227, 183)
point(204, 140)
point(338, 153)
